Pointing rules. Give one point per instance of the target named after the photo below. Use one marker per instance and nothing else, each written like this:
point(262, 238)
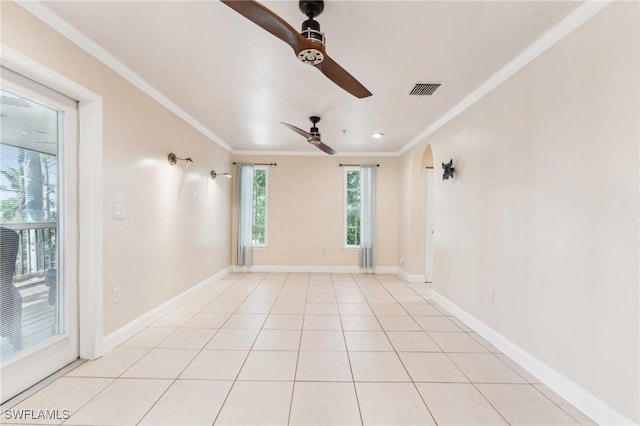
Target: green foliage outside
point(259, 207)
point(28, 183)
point(16, 189)
point(353, 208)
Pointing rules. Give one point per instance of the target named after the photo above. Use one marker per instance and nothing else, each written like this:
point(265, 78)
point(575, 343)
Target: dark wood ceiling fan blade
point(325, 148)
point(263, 17)
point(342, 78)
point(299, 131)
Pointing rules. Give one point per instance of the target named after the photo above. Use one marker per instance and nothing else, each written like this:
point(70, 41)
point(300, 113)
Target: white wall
point(537, 235)
point(168, 242)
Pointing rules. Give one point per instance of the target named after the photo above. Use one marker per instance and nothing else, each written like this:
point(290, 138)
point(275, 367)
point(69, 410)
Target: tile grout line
point(295, 373)
point(238, 284)
point(398, 355)
point(465, 375)
point(526, 382)
point(248, 352)
point(344, 338)
point(194, 357)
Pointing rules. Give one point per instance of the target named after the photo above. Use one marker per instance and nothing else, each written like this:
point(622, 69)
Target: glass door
point(38, 233)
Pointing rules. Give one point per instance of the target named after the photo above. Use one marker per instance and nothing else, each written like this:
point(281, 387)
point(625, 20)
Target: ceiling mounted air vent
point(424, 89)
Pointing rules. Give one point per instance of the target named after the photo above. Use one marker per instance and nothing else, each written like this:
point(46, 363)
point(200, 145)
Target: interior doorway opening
point(427, 164)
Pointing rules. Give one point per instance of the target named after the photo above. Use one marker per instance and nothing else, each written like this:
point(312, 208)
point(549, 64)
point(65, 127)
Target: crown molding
point(565, 27)
point(314, 154)
point(42, 12)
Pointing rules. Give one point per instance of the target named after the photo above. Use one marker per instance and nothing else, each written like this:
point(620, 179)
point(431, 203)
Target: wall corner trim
point(46, 15)
point(565, 27)
point(129, 330)
point(580, 398)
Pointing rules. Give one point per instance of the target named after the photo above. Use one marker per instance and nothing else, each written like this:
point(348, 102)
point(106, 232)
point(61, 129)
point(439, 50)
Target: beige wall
point(306, 214)
point(168, 242)
point(537, 236)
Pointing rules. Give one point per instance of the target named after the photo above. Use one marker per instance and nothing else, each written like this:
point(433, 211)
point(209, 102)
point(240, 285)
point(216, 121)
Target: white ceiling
point(240, 82)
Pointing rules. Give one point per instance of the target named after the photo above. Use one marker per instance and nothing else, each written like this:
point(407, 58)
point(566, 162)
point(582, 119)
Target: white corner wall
point(537, 235)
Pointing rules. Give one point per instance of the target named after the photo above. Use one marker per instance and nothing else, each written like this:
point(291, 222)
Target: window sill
point(351, 248)
point(260, 247)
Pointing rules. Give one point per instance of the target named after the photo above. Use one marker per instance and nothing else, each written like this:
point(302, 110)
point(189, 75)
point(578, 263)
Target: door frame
point(90, 194)
point(429, 229)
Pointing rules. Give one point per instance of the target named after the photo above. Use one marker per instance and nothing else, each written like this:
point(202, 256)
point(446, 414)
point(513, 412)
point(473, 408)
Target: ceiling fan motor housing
point(314, 130)
point(312, 56)
point(311, 31)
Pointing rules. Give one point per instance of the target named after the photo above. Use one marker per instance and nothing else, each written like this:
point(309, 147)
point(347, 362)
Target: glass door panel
point(38, 307)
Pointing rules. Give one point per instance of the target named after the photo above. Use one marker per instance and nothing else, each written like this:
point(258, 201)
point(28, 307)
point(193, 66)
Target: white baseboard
point(311, 269)
point(129, 330)
point(411, 278)
point(584, 401)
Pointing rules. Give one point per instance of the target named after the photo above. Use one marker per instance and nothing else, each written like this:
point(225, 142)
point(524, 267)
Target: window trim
point(266, 208)
point(345, 245)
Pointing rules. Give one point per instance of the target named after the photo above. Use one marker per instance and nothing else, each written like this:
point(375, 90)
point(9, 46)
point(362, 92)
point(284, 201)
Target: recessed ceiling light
point(377, 135)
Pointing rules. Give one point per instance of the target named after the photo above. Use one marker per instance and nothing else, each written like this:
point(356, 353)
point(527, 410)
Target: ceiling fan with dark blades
point(308, 45)
point(313, 135)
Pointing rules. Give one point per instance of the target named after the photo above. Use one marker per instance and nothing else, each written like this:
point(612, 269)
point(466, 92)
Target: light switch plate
point(118, 211)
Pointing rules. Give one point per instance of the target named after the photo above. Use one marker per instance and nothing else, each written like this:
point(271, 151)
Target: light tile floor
point(305, 349)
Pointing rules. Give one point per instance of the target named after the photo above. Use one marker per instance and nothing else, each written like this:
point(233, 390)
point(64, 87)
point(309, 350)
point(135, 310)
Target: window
point(352, 207)
point(259, 224)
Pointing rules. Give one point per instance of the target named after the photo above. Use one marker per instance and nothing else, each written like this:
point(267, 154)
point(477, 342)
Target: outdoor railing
point(37, 252)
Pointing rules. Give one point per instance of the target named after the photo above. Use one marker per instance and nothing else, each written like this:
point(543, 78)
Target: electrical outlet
point(402, 260)
point(117, 295)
